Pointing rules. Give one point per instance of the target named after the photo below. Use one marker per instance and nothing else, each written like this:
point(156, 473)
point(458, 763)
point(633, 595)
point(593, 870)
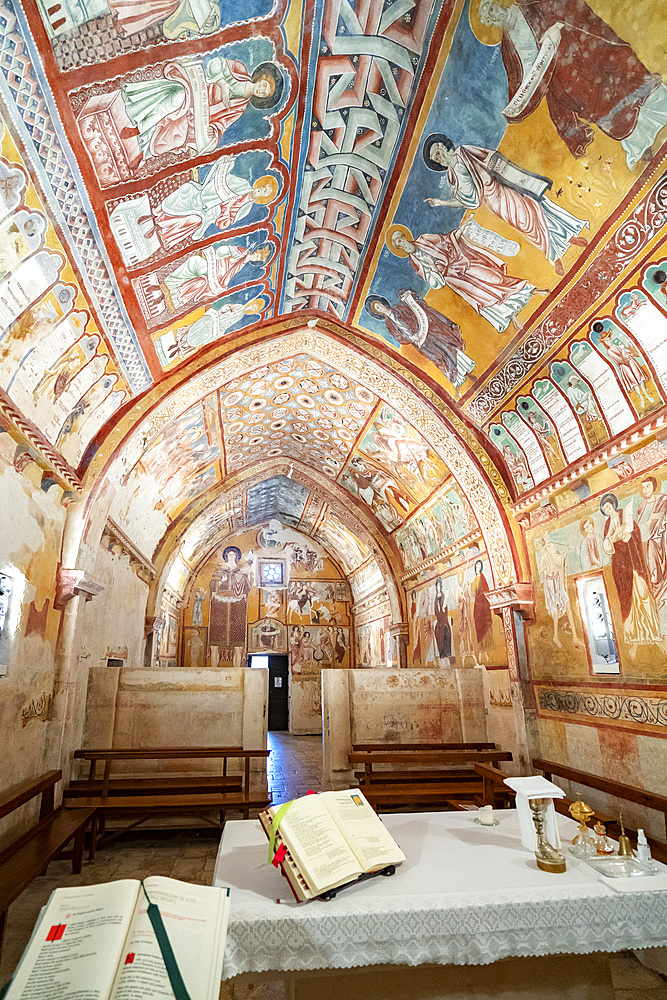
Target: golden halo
point(389, 239)
point(261, 182)
point(485, 33)
point(255, 305)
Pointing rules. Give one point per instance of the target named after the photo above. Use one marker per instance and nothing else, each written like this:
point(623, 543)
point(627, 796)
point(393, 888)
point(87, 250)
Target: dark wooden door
point(278, 692)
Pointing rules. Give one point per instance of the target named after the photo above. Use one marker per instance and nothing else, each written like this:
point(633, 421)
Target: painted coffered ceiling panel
point(278, 498)
point(474, 188)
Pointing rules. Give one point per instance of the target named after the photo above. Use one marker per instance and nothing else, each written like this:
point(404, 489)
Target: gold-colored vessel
point(624, 845)
point(547, 857)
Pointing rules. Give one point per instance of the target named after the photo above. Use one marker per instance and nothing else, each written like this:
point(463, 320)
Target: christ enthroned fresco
point(178, 110)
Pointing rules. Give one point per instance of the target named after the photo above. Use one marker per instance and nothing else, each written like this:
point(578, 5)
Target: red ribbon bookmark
point(279, 856)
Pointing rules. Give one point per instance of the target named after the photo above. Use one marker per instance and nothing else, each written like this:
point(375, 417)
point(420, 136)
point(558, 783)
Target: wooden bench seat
point(434, 794)
point(649, 800)
point(414, 775)
point(155, 786)
point(436, 778)
point(29, 855)
point(146, 796)
point(411, 747)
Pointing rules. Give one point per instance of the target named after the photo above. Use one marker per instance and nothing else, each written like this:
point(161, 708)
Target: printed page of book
point(317, 845)
point(363, 829)
point(195, 918)
point(77, 946)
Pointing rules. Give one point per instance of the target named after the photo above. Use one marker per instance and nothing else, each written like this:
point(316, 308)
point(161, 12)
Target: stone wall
point(30, 537)
point(398, 706)
point(172, 707)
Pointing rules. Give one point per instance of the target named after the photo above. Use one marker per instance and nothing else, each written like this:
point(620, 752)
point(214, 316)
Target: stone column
point(399, 644)
point(514, 604)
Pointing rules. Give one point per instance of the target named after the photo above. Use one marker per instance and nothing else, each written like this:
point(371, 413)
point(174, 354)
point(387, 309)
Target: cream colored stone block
point(255, 712)
point(336, 724)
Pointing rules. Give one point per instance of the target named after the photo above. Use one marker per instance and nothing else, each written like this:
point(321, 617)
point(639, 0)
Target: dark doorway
point(278, 687)
point(278, 693)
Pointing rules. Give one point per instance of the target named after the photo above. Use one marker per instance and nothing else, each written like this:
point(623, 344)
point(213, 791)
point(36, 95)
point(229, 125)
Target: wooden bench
point(494, 790)
point(29, 855)
point(626, 792)
point(432, 778)
point(409, 747)
point(148, 796)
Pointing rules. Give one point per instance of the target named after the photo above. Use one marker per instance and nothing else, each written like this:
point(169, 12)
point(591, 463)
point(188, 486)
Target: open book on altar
point(325, 841)
point(97, 942)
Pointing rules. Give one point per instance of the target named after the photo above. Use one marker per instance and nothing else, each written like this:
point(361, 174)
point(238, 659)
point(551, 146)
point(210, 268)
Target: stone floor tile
point(629, 974)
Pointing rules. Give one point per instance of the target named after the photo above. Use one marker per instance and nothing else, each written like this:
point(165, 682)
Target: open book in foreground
point(327, 840)
point(97, 942)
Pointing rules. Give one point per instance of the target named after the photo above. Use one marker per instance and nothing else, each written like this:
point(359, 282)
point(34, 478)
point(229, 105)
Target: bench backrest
point(18, 795)
point(166, 753)
point(408, 747)
point(648, 799)
point(433, 757)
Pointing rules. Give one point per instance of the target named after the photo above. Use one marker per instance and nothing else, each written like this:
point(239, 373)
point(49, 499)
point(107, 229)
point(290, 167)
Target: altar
point(468, 914)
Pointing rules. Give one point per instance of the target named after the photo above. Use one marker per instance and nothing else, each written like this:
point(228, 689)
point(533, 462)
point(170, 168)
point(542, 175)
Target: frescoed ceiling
point(469, 192)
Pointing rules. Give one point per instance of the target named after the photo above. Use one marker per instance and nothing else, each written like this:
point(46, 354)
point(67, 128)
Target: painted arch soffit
point(224, 511)
point(429, 435)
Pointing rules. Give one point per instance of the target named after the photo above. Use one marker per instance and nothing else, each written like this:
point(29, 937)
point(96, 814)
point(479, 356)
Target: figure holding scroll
point(562, 51)
point(453, 260)
point(484, 177)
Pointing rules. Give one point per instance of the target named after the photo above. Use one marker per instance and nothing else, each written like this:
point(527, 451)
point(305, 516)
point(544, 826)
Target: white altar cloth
point(467, 895)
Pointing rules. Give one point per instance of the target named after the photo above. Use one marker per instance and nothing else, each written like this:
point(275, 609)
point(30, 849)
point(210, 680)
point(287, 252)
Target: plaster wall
point(172, 707)
point(398, 706)
point(111, 626)
point(30, 538)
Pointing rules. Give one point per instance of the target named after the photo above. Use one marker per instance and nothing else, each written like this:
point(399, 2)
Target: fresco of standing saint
point(478, 176)
point(413, 321)
point(480, 277)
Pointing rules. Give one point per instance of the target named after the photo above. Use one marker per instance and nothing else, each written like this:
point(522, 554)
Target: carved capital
point(519, 596)
point(400, 630)
point(72, 583)
point(153, 623)
point(23, 457)
point(69, 498)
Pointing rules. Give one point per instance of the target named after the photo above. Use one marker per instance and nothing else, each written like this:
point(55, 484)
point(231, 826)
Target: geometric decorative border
point(608, 706)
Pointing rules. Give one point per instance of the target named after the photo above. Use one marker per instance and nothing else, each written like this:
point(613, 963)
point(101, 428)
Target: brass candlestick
point(546, 856)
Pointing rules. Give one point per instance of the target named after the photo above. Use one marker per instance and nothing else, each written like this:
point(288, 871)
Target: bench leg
point(93, 837)
point(77, 849)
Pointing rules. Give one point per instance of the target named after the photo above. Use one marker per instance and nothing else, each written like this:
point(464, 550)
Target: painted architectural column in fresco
point(519, 598)
point(399, 633)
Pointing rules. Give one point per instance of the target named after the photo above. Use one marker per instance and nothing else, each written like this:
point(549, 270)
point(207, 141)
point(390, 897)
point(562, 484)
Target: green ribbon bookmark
point(277, 820)
point(171, 965)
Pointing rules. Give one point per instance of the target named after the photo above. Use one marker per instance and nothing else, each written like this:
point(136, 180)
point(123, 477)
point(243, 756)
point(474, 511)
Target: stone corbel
point(72, 583)
point(518, 596)
point(153, 623)
point(23, 457)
